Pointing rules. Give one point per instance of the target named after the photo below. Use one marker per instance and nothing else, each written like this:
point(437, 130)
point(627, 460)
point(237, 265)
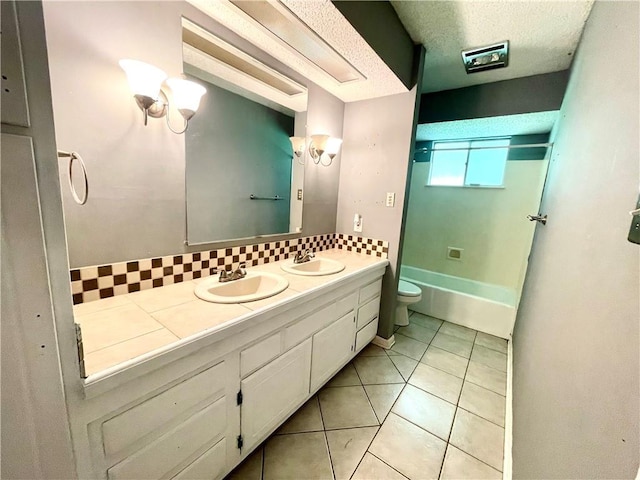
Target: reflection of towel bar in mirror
point(255, 197)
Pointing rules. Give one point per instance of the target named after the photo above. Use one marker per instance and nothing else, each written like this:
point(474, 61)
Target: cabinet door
point(332, 348)
point(273, 392)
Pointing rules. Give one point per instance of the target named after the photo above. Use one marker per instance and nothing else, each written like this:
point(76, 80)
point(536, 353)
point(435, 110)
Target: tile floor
point(431, 407)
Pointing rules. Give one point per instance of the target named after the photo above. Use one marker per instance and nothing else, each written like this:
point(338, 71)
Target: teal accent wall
point(234, 148)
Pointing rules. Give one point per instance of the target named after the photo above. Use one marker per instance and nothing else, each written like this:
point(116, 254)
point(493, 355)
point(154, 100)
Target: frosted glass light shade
point(333, 146)
point(186, 94)
point(144, 79)
point(319, 143)
point(298, 144)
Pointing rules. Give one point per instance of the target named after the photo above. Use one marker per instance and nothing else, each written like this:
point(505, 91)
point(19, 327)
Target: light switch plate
point(299, 194)
point(391, 199)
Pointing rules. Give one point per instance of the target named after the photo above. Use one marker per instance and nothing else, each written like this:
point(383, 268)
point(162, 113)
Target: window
point(470, 163)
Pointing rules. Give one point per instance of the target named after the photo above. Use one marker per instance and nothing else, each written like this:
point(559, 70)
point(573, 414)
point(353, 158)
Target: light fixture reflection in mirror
point(323, 146)
point(298, 146)
point(146, 83)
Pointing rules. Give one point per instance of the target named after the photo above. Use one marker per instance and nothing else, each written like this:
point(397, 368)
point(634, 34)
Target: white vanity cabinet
point(243, 387)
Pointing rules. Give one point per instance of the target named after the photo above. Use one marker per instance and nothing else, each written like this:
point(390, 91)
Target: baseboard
point(507, 467)
point(385, 343)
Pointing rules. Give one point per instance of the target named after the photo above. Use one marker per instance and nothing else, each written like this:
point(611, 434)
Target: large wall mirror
point(242, 180)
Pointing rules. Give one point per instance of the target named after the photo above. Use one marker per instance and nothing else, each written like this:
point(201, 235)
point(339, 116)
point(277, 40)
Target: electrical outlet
point(391, 199)
point(357, 223)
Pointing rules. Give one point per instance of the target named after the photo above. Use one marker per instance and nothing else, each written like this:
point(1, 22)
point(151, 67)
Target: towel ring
point(76, 156)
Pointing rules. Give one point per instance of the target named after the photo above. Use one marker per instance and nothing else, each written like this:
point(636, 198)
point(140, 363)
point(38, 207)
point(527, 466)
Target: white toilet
point(408, 293)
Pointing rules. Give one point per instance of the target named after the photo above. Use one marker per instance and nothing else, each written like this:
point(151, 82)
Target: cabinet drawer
point(163, 455)
point(364, 336)
point(369, 291)
point(260, 354)
point(306, 327)
point(332, 347)
point(368, 311)
point(131, 426)
point(210, 466)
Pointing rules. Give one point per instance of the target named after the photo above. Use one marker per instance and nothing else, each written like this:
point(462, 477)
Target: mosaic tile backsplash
point(104, 281)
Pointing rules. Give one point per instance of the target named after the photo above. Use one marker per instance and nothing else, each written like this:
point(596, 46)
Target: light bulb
point(297, 143)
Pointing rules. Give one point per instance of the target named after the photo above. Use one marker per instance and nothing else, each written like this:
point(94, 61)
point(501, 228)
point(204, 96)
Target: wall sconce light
point(298, 146)
point(146, 83)
point(323, 146)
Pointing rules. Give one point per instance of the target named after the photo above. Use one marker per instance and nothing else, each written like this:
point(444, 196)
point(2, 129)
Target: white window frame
point(466, 164)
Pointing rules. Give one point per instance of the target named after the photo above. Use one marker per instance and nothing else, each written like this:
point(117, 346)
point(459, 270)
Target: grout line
point(326, 442)
point(262, 462)
point(390, 466)
point(366, 394)
point(365, 451)
point(480, 416)
point(472, 456)
point(162, 327)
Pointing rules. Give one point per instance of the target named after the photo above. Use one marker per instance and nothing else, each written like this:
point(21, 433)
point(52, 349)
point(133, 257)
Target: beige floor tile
point(121, 352)
point(194, 317)
point(436, 382)
point(114, 325)
point(99, 305)
point(446, 361)
point(372, 350)
point(347, 447)
point(345, 377)
point(409, 347)
point(346, 407)
point(494, 343)
point(296, 456)
point(156, 299)
point(250, 468)
point(377, 370)
point(382, 397)
point(489, 357)
point(478, 437)
point(425, 321)
point(460, 466)
point(306, 419)
point(458, 331)
point(487, 377)
point(405, 365)
point(484, 403)
point(425, 410)
point(453, 344)
point(415, 453)
point(422, 334)
point(372, 468)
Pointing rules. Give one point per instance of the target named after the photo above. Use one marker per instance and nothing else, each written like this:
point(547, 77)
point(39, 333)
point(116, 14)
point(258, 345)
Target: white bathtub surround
point(483, 307)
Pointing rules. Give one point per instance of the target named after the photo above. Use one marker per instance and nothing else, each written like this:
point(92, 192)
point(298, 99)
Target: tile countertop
point(121, 328)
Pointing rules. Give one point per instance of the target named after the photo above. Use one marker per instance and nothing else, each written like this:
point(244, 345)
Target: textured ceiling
point(325, 19)
point(521, 124)
point(543, 36)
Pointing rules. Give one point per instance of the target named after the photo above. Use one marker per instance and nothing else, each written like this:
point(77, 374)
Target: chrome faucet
point(303, 257)
point(236, 274)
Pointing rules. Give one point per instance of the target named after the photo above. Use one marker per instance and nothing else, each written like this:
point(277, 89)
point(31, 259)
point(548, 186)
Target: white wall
point(375, 160)
point(490, 224)
point(576, 340)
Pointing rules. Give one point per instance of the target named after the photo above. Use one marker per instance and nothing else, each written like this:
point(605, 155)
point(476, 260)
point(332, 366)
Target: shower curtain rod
point(529, 145)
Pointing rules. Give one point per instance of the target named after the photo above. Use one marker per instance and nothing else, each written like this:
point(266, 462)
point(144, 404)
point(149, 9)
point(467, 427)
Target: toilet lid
point(408, 289)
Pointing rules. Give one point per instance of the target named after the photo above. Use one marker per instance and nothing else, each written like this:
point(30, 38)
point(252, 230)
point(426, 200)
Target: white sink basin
point(314, 267)
point(255, 286)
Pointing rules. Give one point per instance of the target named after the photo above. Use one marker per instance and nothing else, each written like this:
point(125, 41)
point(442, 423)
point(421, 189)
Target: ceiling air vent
point(486, 58)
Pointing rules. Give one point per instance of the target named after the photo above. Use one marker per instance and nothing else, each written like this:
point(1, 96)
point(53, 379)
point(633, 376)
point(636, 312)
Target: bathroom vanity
point(198, 407)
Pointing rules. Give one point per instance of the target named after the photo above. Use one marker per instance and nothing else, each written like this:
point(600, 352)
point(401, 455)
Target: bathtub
point(484, 307)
